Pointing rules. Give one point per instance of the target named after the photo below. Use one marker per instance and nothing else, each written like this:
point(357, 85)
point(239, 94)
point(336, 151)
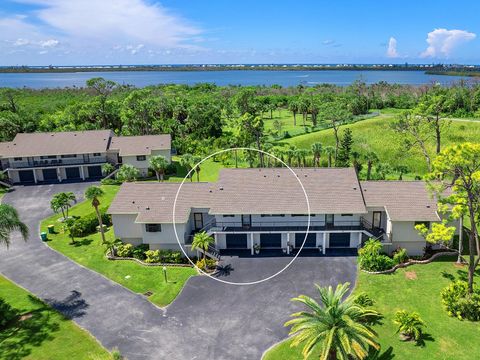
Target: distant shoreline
point(428, 69)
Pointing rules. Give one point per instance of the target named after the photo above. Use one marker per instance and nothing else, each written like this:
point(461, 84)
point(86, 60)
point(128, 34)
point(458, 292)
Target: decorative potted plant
point(256, 248)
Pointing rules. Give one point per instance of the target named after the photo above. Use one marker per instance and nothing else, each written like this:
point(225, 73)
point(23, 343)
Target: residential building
point(247, 208)
point(75, 155)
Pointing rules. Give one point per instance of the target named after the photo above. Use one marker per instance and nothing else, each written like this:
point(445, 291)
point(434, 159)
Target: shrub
point(152, 256)
point(459, 303)
point(370, 259)
point(172, 257)
point(171, 169)
point(363, 300)
point(409, 324)
point(139, 252)
point(125, 250)
point(87, 224)
point(110, 181)
point(206, 264)
point(400, 256)
point(7, 313)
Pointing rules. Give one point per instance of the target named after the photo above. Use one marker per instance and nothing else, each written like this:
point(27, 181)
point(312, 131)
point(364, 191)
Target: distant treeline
point(440, 68)
point(206, 115)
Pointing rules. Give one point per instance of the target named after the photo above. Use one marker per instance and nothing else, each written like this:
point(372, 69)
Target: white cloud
point(135, 21)
point(328, 42)
point(96, 29)
point(392, 48)
point(21, 42)
point(442, 42)
point(48, 43)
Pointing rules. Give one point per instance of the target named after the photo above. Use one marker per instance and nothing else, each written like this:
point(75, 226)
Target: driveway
point(209, 320)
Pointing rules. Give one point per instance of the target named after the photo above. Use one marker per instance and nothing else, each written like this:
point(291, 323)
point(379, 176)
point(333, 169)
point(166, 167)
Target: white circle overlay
point(182, 245)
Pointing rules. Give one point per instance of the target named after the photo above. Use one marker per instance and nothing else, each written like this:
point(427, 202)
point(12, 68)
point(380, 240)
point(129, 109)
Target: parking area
point(208, 320)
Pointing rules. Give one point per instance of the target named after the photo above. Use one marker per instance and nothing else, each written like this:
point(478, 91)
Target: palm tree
point(202, 241)
point(291, 153)
point(304, 153)
point(93, 193)
point(298, 156)
point(409, 324)
point(317, 152)
point(128, 173)
point(401, 169)
point(159, 164)
point(338, 325)
point(186, 162)
point(197, 160)
point(371, 158)
point(107, 169)
point(62, 202)
point(329, 151)
point(10, 222)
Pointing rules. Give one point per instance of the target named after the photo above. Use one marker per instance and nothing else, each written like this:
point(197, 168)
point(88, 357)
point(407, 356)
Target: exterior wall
point(369, 216)
point(140, 165)
point(166, 153)
point(166, 236)
point(13, 176)
point(125, 227)
point(144, 165)
point(404, 235)
point(340, 220)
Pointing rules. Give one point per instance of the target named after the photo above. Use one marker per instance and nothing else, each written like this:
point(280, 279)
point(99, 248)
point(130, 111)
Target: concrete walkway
point(208, 320)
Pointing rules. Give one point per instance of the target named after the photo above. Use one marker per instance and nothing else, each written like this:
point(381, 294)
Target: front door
point(198, 219)
point(377, 219)
point(246, 221)
point(329, 220)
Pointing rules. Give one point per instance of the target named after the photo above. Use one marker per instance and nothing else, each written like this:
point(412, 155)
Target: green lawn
point(43, 334)
point(89, 252)
point(376, 134)
point(446, 337)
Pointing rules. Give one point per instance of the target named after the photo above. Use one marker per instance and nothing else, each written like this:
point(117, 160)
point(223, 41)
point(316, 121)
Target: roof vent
point(278, 175)
point(220, 188)
point(305, 175)
point(209, 191)
point(147, 208)
point(133, 202)
point(354, 188)
point(264, 176)
point(428, 206)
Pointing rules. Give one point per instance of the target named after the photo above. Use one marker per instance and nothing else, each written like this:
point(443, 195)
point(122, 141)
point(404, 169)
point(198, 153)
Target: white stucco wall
point(404, 235)
point(124, 227)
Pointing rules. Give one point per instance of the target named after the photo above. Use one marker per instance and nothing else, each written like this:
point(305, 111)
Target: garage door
point(26, 176)
point(236, 241)
point(270, 241)
point(94, 172)
point(72, 173)
point(50, 175)
point(340, 240)
point(311, 241)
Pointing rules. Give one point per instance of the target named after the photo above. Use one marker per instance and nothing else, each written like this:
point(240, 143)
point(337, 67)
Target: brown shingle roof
point(277, 191)
point(140, 145)
point(245, 191)
point(3, 148)
point(403, 200)
point(58, 143)
point(153, 202)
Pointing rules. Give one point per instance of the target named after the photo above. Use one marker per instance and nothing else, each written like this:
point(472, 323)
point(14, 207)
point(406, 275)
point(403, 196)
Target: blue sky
point(42, 32)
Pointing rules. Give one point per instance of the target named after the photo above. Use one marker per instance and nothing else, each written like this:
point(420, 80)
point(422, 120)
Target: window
point(426, 223)
point(68, 156)
point(306, 215)
point(153, 227)
point(97, 154)
point(228, 215)
point(269, 215)
point(17, 159)
point(346, 214)
point(48, 157)
point(141, 158)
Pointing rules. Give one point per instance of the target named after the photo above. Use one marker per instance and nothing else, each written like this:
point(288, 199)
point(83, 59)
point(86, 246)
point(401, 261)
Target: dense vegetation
point(204, 118)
